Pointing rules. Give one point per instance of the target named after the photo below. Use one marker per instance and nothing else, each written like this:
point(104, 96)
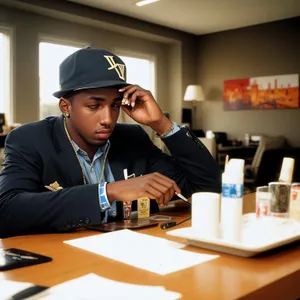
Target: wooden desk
point(272, 276)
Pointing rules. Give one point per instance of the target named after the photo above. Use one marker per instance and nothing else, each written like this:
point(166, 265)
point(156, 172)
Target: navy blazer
point(39, 153)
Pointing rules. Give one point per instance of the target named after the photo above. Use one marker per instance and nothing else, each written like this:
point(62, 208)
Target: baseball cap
point(90, 68)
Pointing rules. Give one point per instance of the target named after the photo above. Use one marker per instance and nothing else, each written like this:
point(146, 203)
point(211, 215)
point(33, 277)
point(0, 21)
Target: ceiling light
point(145, 2)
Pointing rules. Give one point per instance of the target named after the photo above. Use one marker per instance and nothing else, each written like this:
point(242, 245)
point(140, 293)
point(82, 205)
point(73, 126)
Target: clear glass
point(263, 197)
point(280, 199)
point(295, 201)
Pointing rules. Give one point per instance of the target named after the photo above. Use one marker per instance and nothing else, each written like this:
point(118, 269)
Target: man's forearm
point(64, 210)
point(200, 168)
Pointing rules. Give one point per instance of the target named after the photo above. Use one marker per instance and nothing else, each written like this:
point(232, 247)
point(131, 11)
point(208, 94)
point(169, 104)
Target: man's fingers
point(167, 179)
point(125, 88)
point(165, 186)
point(165, 192)
point(154, 193)
point(132, 98)
point(154, 186)
point(132, 93)
point(157, 191)
point(129, 91)
point(135, 95)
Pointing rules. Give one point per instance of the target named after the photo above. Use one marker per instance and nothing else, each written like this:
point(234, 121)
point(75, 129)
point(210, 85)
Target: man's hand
point(154, 186)
point(140, 105)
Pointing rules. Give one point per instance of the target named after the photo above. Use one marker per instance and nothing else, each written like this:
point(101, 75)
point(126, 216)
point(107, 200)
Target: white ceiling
point(202, 16)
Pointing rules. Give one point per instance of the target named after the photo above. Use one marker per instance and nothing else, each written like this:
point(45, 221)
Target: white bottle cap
point(235, 165)
point(287, 170)
point(209, 134)
point(235, 169)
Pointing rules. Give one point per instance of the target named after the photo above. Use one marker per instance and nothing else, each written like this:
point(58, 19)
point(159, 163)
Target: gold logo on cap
point(119, 68)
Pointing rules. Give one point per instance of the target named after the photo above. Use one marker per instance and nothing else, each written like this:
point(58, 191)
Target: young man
point(66, 172)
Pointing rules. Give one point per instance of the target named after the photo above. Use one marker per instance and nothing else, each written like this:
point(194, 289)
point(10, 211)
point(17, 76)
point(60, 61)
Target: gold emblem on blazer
point(54, 187)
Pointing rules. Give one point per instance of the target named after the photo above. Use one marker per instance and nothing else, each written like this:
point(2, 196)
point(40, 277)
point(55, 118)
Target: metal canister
point(280, 199)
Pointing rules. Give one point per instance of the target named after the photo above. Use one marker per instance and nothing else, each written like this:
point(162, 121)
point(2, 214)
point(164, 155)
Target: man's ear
point(64, 105)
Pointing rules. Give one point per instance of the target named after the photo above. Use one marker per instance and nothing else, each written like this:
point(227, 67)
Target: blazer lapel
point(66, 155)
point(116, 158)
point(116, 166)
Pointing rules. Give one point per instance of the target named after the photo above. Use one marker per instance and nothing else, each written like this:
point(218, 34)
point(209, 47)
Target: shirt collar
point(99, 152)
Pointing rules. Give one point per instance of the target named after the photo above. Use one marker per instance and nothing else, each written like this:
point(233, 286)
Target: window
point(5, 75)
point(140, 71)
point(50, 57)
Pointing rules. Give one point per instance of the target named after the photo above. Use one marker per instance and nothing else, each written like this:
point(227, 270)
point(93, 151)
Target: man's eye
point(116, 105)
point(93, 106)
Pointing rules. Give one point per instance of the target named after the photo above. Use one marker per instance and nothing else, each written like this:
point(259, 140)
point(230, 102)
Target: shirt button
point(114, 214)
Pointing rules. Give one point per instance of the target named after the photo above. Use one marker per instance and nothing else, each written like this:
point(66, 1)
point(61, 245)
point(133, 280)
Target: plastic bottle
point(232, 200)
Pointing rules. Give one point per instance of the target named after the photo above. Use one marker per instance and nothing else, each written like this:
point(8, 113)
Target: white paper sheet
point(142, 251)
point(8, 288)
point(92, 286)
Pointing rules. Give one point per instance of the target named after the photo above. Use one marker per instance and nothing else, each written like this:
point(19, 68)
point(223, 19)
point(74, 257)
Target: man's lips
point(103, 134)
point(103, 131)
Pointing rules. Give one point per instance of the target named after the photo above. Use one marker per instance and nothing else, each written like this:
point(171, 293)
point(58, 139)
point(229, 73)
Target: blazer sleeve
point(190, 164)
point(25, 206)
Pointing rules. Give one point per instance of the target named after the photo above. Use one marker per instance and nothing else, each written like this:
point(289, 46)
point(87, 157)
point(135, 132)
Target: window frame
point(43, 38)
point(9, 34)
point(142, 55)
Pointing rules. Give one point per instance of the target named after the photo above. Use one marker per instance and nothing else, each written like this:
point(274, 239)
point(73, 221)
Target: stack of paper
point(92, 286)
point(9, 288)
point(142, 251)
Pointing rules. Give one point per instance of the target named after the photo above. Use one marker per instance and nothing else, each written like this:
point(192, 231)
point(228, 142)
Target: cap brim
point(92, 85)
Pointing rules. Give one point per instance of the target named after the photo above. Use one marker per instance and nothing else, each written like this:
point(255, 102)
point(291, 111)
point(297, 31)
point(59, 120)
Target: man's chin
point(98, 142)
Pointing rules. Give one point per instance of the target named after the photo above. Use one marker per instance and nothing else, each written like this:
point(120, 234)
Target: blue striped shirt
point(92, 171)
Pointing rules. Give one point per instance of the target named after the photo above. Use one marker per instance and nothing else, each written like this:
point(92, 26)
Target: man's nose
point(106, 116)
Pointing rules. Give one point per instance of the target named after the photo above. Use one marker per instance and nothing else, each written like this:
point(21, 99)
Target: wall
point(268, 49)
point(64, 20)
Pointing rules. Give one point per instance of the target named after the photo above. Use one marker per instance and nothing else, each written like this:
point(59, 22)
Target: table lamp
point(194, 93)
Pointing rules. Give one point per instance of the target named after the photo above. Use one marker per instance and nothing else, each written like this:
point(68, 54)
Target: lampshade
point(194, 93)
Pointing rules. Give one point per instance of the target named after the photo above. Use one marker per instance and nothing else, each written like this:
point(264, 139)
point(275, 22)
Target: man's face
point(94, 114)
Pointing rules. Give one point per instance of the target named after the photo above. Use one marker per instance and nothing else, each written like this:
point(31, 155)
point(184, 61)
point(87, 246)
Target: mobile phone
point(13, 258)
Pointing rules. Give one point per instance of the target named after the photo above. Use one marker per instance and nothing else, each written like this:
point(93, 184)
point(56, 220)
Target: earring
point(67, 115)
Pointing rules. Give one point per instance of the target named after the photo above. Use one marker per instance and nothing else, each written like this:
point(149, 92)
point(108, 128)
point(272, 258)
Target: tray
point(258, 235)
